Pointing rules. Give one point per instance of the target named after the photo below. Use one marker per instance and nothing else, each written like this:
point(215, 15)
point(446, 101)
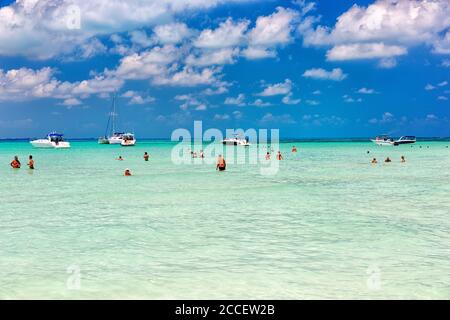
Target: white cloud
point(141, 39)
point(214, 57)
point(253, 53)
point(260, 103)
point(317, 92)
point(217, 91)
point(446, 63)
point(239, 100)
point(386, 117)
point(360, 51)
point(71, 102)
point(172, 33)
point(282, 88)
point(312, 102)
point(284, 118)
point(429, 87)
point(349, 99)
point(387, 63)
point(237, 115)
point(274, 29)
point(366, 91)
point(188, 77)
point(136, 98)
point(442, 84)
point(228, 34)
point(289, 100)
point(393, 25)
point(442, 98)
point(148, 63)
point(318, 73)
point(25, 84)
point(27, 27)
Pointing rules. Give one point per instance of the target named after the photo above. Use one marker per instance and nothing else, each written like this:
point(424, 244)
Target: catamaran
point(114, 137)
point(53, 140)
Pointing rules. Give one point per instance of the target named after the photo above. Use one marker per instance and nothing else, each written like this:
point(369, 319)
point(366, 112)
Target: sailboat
point(115, 137)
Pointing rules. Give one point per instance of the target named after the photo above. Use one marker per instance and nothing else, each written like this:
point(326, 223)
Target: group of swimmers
point(387, 160)
point(15, 164)
point(127, 172)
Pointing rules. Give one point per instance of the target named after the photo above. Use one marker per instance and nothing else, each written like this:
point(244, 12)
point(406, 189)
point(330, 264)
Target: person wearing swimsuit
point(31, 162)
point(221, 164)
point(15, 164)
point(146, 156)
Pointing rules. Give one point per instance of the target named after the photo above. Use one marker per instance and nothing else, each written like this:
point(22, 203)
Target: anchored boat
point(53, 140)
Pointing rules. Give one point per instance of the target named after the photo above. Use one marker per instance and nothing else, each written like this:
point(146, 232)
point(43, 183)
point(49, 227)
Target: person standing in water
point(294, 149)
point(221, 164)
point(374, 161)
point(127, 173)
point(120, 158)
point(279, 156)
point(388, 160)
point(402, 159)
point(31, 162)
point(15, 164)
point(146, 156)
point(268, 156)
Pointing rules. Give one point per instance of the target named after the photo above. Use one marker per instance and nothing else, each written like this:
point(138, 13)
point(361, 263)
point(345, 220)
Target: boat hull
point(45, 144)
point(128, 143)
point(115, 140)
point(383, 143)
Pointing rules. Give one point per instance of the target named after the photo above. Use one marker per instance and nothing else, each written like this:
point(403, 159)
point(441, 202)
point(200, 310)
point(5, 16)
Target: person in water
point(30, 162)
point(120, 158)
point(279, 156)
point(127, 173)
point(388, 160)
point(146, 156)
point(268, 156)
point(15, 164)
point(294, 149)
point(374, 160)
point(402, 159)
point(221, 164)
point(202, 155)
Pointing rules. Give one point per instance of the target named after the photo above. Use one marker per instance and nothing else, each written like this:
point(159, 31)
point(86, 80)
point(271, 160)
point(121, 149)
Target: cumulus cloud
point(137, 98)
point(282, 88)
point(172, 33)
point(28, 26)
point(228, 34)
point(274, 29)
point(383, 29)
point(239, 100)
point(215, 57)
point(289, 100)
point(365, 90)
point(360, 51)
point(254, 53)
point(284, 118)
point(318, 73)
point(260, 103)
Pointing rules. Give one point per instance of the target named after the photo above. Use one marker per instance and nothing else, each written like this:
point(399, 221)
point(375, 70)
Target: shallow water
point(327, 225)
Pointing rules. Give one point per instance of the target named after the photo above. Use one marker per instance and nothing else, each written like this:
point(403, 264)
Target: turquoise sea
point(328, 225)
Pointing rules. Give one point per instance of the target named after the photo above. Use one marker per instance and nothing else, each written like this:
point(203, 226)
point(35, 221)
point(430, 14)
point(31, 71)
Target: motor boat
point(116, 138)
point(128, 140)
point(383, 140)
point(405, 140)
point(236, 141)
point(53, 140)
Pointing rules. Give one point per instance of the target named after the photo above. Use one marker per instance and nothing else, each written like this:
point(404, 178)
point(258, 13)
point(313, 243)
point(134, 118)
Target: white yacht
point(53, 140)
point(128, 140)
point(405, 140)
point(383, 140)
point(116, 138)
point(111, 135)
point(236, 141)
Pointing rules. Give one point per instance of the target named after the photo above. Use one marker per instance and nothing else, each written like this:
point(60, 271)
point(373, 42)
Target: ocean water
point(328, 225)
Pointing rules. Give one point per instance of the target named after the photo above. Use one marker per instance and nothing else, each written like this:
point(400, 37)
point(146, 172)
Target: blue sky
point(311, 69)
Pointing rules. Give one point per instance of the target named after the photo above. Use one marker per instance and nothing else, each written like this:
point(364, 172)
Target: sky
point(323, 69)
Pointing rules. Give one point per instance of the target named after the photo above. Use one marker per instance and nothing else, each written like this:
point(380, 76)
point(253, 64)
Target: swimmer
point(388, 160)
point(268, 156)
point(120, 158)
point(127, 173)
point(294, 149)
point(279, 156)
point(146, 156)
point(221, 164)
point(15, 164)
point(368, 151)
point(202, 155)
point(374, 160)
point(402, 159)
point(30, 162)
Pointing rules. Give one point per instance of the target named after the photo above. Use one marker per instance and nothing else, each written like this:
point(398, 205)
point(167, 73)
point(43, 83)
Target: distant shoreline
point(283, 140)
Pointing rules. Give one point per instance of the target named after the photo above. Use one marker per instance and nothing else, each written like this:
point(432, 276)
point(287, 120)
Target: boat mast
point(114, 115)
